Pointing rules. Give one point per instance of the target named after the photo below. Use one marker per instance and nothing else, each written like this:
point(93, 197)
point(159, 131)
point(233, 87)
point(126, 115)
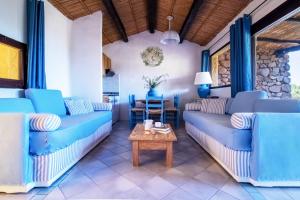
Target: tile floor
point(107, 173)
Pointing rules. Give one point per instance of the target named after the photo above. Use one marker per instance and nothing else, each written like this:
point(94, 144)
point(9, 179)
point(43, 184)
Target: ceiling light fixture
point(170, 36)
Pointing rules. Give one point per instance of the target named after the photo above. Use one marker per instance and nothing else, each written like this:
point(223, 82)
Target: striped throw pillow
point(75, 106)
point(216, 106)
point(204, 105)
point(193, 106)
point(44, 122)
point(88, 106)
point(102, 106)
point(241, 120)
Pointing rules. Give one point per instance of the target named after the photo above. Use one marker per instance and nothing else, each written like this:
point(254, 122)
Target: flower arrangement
point(151, 83)
point(152, 56)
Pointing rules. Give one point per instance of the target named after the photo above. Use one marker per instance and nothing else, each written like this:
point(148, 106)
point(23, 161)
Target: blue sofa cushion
point(47, 101)
point(16, 105)
point(277, 105)
point(219, 127)
point(72, 129)
point(244, 101)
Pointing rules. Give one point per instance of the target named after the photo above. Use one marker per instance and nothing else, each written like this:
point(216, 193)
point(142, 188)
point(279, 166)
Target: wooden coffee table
point(146, 140)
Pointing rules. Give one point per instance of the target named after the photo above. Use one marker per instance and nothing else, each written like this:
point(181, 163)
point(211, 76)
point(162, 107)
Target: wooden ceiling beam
point(190, 18)
point(297, 20)
point(287, 50)
point(152, 14)
point(280, 41)
point(116, 19)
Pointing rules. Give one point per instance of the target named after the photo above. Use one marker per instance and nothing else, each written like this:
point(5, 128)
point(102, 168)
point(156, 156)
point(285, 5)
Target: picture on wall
point(12, 63)
point(152, 56)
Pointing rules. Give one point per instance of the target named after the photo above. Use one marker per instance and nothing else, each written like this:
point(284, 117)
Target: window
point(12, 63)
point(277, 59)
point(220, 67)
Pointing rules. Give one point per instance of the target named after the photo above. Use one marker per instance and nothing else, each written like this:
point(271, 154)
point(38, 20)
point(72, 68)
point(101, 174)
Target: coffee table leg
point(135, 153)
point(169, 154)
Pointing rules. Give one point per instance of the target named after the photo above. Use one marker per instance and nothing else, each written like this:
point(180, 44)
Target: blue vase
point(152, 92)
point(203, 91)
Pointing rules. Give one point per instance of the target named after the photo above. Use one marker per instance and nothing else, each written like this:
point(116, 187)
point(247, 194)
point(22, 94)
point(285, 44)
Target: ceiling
point(284, 35)
point(210, 19)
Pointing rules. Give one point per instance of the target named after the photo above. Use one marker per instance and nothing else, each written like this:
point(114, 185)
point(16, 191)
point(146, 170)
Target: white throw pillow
point(241, 120)
point(102, 106)
point(216, 106)
point(76, 106)
point(88, 106)
point(204, 105)
point(44, 122)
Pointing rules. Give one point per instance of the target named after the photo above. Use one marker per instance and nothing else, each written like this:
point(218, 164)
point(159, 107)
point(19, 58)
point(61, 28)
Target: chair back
point(131, 100)
point(154, 102)
point(176, 101)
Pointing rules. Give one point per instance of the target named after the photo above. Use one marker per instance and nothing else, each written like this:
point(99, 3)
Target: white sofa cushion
point(196, 106)
point(241, 120)
point(44, 122)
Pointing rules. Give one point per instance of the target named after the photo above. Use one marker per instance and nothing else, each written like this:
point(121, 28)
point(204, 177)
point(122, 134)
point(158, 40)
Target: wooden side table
point(144, 140)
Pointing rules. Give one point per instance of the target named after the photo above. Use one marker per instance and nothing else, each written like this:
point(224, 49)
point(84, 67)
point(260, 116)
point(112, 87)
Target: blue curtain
point(240, 56)
point(205, 62)
point(36, 77)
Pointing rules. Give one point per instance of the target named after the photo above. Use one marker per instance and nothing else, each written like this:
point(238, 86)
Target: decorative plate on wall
point(152, 56)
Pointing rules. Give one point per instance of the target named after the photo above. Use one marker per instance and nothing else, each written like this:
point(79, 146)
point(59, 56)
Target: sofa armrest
point(275, 147)
point(15, 161)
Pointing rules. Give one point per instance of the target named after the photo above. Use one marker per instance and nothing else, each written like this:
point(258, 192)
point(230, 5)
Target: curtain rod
point(229, 30)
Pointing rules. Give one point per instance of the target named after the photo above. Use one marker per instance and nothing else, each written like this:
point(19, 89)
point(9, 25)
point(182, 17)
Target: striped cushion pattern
point(204, 105)
point(193, 106)
point(241, 120)
point(102, 106)
point(236, 162)
point(76, 106)
point(216, 106)
point(44, 122)
point(88, 106)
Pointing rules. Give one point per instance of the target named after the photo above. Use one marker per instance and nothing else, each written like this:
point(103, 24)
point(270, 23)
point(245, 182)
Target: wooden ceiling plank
point(82, 2)
point(190, 18)
point(116, 19)
point(152, 14)
point(65, 11)
point(206, 19)
point(133, 15)
point(273, 40)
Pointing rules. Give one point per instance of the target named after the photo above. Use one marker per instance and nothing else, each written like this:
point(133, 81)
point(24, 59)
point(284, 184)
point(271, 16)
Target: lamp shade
point(202, 78)
point(170, 37)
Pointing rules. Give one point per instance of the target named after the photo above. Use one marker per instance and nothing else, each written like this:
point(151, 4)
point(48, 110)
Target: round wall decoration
point(152, 56)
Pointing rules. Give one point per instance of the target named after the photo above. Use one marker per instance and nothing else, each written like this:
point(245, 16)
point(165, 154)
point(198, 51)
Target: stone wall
point(272, 74)
point(224, 69)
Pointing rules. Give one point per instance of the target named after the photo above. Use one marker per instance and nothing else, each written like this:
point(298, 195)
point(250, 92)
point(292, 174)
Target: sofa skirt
point(48, 168)
point(236, 163)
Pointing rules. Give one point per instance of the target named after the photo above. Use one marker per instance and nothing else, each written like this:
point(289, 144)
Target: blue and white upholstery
point(216, 106)
point(102, 106)
point(44, 122)
point(265, 153)
point(195, 106)
point(76, 106)
point(241, 120)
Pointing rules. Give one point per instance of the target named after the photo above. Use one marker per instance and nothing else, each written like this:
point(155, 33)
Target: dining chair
point(155, 107)
point(136, 114)
point(172, 113)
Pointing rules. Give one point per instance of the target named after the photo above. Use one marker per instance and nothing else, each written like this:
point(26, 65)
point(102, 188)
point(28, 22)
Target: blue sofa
point(265, 155)
point(37, 159)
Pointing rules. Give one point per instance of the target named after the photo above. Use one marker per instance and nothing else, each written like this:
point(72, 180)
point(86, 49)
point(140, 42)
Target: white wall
point(86, 57)
point(57, 50)
point(13, 25)
point(57, 42)
point(180, 62)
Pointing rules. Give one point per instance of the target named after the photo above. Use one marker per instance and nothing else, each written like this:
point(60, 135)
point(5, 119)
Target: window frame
point(210, 70)
point(10, 83)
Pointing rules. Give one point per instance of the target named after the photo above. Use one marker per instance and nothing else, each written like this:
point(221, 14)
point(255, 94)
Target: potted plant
point(153, 83)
